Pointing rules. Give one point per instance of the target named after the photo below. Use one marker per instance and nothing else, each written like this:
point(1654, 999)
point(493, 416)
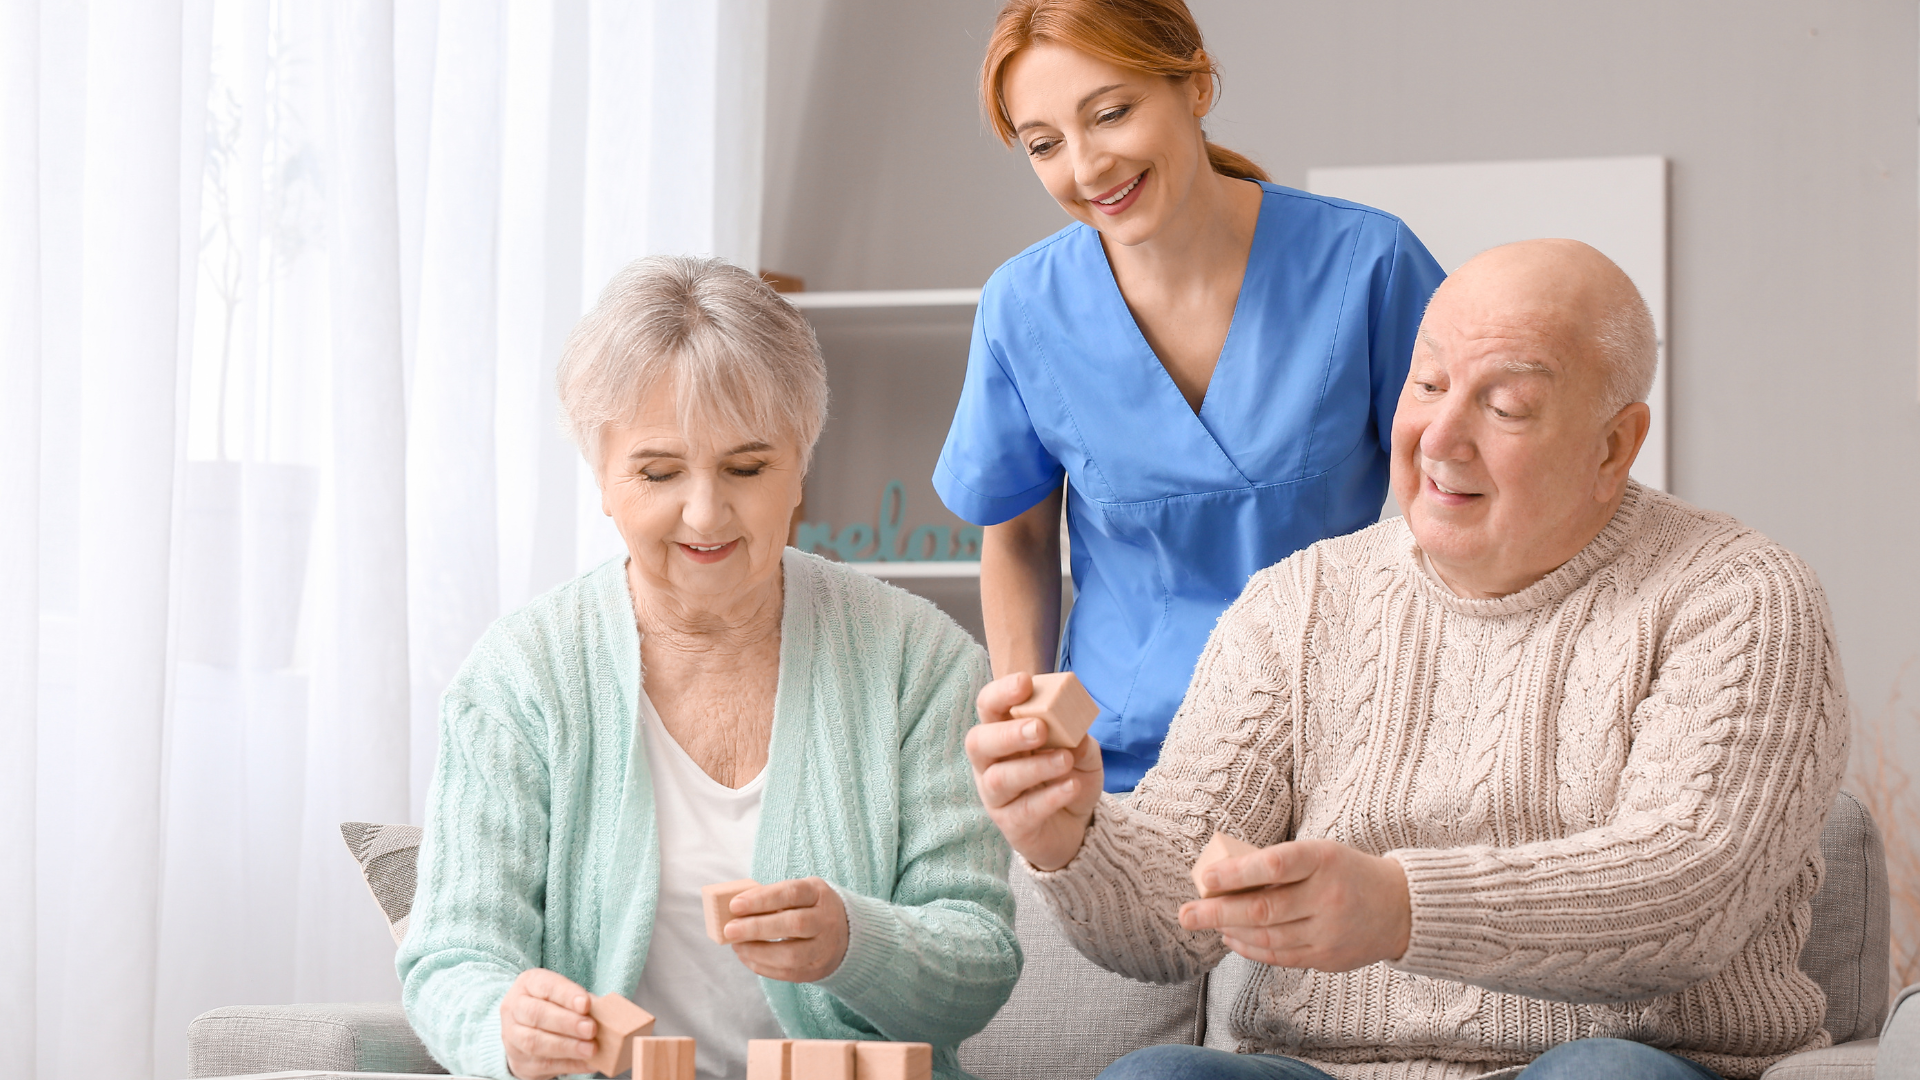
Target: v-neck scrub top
point(1171, 511)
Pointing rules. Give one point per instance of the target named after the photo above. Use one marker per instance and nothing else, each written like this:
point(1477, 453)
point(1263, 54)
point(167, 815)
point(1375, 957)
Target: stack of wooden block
point(837, 1059)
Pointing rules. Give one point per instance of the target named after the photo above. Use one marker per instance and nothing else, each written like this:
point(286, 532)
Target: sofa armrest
point(370, 1037)
point(1899, 1057)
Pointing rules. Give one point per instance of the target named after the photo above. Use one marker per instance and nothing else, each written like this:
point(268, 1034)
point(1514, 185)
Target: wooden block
point(1063, 704)
point(662, 1059)
point(714, 900)
point(769, 1059)
point(615, 1023)
point(1220, 847)
point(893, 1061)
point(822, 1059)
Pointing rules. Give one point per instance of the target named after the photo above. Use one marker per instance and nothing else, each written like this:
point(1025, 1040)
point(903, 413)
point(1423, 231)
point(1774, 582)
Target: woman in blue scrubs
point(1204, 365)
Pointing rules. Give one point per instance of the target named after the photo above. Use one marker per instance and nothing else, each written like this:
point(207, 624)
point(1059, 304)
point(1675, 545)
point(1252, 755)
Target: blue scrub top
point(1170, 511)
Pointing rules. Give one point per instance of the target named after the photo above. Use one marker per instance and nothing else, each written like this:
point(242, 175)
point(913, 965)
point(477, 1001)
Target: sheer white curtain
point(281, 289)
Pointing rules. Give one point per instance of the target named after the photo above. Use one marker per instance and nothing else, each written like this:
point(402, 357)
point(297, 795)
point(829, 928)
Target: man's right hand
point(545, 1026)
point(1042, 800)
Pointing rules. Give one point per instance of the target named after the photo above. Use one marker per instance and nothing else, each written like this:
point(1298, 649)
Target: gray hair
point(734, 352)
point(1625, 342)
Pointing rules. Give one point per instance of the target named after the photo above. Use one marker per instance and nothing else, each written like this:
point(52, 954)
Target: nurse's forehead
point(1047, 82)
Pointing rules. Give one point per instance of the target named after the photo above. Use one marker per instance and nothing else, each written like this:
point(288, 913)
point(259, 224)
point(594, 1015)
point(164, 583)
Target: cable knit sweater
point(540, 846)
point(1606, 790)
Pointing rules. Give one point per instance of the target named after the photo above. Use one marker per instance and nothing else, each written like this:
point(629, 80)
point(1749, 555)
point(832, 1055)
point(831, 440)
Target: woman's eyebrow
point(748, 448)
point(1077, 108)
point(652, 452)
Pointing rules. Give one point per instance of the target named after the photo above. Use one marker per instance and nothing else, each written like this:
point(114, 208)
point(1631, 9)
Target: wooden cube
point(893, 1061)
point(769, 1059)
point(714, 900)
point(822, 1059)
point(1059, 701)
point(662, 1059)
point(615, 1023)
point(1220, 847)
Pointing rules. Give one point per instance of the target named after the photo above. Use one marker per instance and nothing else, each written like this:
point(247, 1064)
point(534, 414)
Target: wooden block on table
point(615, 1023)
point(1220, 847)
point(1063, 705)
point(662, 1059)
point(822, 1059)
point(714, 900)
point(769, 1059)
point(893, 1061)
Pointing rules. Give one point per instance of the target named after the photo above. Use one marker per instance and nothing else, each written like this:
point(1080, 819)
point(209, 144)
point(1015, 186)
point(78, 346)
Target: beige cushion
point(1846, 950)
point(1069, 1019)
point(386, 854)
point(1849, 1061)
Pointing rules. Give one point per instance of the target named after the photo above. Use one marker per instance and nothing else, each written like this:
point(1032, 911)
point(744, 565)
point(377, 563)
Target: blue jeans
point(1582, 1059)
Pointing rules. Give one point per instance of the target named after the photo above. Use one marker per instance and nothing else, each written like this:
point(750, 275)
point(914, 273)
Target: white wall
point(1790, 125)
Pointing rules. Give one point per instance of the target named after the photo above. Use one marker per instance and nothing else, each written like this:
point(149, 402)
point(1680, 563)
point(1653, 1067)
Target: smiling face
point(1502, 462)
point(1118, 149)
point(705, 515)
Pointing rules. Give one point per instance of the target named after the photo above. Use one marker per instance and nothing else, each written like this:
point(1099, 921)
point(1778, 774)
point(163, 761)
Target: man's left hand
point(794, 931)
point(1310, 904)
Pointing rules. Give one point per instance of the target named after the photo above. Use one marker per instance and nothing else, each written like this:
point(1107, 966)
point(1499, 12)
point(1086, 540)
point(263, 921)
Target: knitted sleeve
point(1738, 749)
point(935, 961)
point(1227, 764)
point(477, 911)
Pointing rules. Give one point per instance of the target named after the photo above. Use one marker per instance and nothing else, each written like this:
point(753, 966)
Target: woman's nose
point(1090, 165)
point(706, 507)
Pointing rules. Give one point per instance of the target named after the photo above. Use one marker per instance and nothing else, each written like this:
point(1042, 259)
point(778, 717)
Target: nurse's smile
point(1120, 198)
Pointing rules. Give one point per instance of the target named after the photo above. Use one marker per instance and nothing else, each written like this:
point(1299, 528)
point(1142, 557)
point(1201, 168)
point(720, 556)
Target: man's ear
point(1625, 434)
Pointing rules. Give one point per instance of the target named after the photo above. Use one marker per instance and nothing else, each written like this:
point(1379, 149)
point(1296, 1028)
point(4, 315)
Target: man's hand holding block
point(822, 1059)
point(616, 1021)
point(1063, 705)
point(715, 901)
point(1220, 847)
point(769, 1059)
point(662, 1059)
point(893, 1061)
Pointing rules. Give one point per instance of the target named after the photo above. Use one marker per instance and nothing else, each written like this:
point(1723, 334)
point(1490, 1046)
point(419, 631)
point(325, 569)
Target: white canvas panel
point(1617, 204)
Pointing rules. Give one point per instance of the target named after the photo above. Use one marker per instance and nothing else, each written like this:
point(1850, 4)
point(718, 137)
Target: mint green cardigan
point(540, 848)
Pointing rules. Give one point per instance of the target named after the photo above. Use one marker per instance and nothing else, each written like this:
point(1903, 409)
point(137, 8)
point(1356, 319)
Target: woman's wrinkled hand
point(1042, 800)
point(1309, 904)
point(545, 1027)
point(794, 931)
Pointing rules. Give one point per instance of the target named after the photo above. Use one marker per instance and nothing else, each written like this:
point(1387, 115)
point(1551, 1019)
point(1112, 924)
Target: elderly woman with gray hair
point(712, 706)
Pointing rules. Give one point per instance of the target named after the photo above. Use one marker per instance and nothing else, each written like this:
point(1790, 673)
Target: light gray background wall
point(1791, 127)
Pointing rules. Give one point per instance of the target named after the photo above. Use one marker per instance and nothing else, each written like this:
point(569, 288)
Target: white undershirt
point(692, 986)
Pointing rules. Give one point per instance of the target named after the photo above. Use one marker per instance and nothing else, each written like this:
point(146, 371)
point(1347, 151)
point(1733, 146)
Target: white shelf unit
point(885, 298)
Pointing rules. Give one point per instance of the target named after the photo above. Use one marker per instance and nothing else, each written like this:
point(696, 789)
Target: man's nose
point(1448, 435)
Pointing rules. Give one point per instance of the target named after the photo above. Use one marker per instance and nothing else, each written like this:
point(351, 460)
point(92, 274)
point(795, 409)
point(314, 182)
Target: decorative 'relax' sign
point(882, 542)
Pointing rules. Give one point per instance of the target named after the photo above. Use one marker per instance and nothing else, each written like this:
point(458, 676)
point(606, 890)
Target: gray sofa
point(1067, 1019)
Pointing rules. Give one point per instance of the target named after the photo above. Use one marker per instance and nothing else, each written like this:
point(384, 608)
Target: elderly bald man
point(1537, 771)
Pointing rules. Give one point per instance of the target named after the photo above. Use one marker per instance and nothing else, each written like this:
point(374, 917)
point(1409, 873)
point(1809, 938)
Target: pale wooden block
point(615, 1023)
point(1220, 847)
point(663, 1059)
point(1059, 701)
point(822, 1059)
point(893, 1061)
point(714, 900)
point(769, 1059)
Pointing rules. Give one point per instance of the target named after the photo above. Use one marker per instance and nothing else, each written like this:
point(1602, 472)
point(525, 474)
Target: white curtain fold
point(282, 286)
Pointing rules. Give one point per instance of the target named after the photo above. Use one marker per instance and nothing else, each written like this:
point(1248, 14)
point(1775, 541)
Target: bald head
point(1584, 308)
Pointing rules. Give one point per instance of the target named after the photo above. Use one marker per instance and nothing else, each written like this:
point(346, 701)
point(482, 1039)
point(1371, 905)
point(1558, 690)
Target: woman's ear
point(1201, 86)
